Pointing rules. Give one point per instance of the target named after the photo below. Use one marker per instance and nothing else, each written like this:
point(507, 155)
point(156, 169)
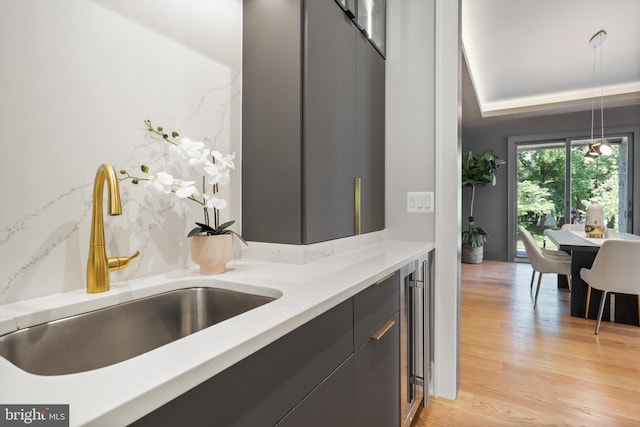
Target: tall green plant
point(478, 171)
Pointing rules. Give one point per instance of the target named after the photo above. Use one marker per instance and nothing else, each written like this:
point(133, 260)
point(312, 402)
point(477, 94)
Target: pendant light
point(601, 147)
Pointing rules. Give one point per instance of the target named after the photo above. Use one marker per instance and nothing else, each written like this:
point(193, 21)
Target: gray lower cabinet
point(330, 404)
point(312, 122)
point(374, 306)
point(377, 380)
point(261, 389)
point(376, 334)
point(311, 376)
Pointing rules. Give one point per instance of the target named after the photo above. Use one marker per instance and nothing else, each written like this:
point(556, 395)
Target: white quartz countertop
point(121, 393)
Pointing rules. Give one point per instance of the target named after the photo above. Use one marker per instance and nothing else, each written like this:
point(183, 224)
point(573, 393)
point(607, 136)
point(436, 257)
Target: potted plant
point(211, 241)
point(477, 171)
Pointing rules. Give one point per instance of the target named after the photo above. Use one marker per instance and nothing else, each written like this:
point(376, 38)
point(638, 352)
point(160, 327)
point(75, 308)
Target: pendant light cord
point(593, 94)
point(601, 92)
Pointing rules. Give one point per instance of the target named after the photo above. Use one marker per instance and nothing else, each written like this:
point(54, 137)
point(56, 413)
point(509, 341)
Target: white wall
point(448, 130)
point(410, 115)
point(422, 146)
point(77, 79)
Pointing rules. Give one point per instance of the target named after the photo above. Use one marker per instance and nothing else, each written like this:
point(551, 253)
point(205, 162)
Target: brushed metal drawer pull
point(384, 278)
point(357, 196)
point(383, 329)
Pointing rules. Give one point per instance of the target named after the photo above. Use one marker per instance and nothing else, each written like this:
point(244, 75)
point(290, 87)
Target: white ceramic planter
point(212, 253)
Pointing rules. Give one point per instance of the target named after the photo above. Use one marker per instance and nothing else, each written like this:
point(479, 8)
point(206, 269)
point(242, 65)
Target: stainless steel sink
point(110, 335)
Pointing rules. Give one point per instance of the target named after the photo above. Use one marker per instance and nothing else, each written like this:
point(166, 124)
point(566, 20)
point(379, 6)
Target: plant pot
point(471, 255)
point(212, 253)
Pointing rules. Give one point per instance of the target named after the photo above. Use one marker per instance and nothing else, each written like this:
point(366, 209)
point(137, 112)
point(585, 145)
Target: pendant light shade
point(603, 147)
point(592, 154)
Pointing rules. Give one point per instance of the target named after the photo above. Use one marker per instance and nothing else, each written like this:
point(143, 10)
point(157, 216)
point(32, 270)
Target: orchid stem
point(206, 215)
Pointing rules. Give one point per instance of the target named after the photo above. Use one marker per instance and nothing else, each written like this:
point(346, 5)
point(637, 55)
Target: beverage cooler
point(416, 335)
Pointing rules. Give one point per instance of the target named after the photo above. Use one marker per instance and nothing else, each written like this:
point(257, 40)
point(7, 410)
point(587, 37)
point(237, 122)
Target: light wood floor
point(521, 367)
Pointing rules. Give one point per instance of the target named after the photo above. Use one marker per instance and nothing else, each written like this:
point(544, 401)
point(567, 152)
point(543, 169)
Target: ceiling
point(533, 56)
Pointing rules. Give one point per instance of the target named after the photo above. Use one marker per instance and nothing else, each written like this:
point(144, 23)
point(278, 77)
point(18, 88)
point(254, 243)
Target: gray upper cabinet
point(313, 121)
point(328, 121)
point(370, 130)
point(271, 125)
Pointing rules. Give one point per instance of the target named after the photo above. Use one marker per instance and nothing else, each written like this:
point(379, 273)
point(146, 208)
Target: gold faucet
point(98, 265)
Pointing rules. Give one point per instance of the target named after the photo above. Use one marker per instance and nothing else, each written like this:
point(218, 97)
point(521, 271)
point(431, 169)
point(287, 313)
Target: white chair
point(547, 261)
point(615, 269)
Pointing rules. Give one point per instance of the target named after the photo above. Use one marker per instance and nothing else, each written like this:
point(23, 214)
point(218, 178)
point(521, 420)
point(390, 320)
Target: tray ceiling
point(534, 55)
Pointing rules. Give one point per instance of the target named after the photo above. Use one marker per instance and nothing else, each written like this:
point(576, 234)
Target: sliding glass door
point(555, 184)
point(606, 179)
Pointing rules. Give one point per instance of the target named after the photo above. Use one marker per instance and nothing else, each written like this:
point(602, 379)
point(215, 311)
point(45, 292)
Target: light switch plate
point(420, 202)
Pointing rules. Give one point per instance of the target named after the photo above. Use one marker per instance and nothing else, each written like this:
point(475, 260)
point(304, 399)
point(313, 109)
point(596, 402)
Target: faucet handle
point(120, 262)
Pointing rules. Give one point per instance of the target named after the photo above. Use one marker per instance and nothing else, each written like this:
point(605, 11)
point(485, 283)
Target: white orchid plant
point(212, 166)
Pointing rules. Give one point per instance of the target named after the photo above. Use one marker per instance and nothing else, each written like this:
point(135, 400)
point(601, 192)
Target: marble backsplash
point(82, 80)
point(303, 254)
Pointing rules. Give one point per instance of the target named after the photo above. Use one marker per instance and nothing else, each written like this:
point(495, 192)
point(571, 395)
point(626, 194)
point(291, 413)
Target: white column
point(448, 198)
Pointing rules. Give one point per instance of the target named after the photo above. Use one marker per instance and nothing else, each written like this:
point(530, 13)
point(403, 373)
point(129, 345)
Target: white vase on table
point(594, 224)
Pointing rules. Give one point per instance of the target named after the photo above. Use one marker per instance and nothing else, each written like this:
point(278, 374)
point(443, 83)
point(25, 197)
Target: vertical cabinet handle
point(357, 203)
point(383, 329)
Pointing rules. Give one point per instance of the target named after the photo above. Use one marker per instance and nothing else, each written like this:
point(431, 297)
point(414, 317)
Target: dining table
point(622, 308)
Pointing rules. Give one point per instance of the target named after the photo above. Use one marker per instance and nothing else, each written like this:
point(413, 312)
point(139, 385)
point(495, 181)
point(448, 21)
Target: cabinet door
point(271, 127)
point(330, 404)
point(373, 306)
point(377, 380)
point(328, 123)
point(264, 387)
point(370, 129)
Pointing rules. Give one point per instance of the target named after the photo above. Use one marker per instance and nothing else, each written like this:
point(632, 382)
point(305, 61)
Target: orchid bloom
point(197, 153)
point(212, 172)
point(183, 189)
point(224, 177)
point(224, 162)
point(180, 147)
point(161, 182)
point(218, 172)
point(193, 158)
point(214, 202)
point(201, 157)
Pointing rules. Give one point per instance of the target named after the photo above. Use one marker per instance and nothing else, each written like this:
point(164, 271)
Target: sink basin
point(110, 335)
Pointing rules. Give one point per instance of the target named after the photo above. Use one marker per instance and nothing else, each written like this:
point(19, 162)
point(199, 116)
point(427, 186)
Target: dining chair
point(615, 269)
point(544, 261)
